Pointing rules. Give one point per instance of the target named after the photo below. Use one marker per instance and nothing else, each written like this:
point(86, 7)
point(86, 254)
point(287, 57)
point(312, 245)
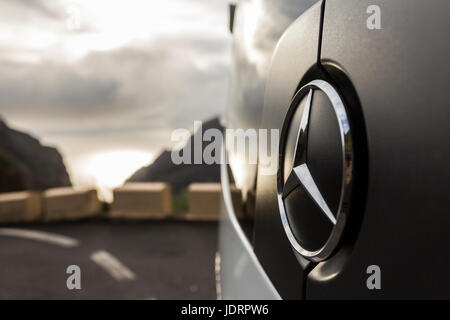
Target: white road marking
point(52, 238)
point(112, 265)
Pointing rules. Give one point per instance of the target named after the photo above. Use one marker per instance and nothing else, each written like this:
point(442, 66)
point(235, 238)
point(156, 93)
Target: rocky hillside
point(180, 176)
point(26, 164)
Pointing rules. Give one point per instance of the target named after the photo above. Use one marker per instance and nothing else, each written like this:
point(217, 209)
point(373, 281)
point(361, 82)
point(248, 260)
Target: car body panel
point(257, 28)
point(241, 274)
point(394, 82)
point(401, 75)
point(258, 25)
point(271, 245)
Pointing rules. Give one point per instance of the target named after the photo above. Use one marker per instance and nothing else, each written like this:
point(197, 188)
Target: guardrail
point(70, 204)
point(142, 201)
point(131, 201)
point(205, 200)
point(24, 206)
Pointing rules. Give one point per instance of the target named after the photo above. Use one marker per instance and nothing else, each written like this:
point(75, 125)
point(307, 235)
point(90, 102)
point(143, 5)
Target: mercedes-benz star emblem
point(301, 177)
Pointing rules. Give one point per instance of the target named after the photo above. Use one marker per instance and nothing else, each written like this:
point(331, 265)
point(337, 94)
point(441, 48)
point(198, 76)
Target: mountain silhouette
point(26, 164)
point(180, 176)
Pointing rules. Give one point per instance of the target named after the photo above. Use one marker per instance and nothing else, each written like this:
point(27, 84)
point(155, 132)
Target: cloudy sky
point(107, 81)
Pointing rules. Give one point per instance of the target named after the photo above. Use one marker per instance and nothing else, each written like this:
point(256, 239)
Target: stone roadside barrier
point(24, 206)
point(205, 201)
point(70, 204)
point(146, 200)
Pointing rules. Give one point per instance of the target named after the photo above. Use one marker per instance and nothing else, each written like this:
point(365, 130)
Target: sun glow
point(114, 24)
point(108, 170)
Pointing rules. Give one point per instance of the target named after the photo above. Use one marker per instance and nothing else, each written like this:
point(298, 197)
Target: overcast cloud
point(123, 78)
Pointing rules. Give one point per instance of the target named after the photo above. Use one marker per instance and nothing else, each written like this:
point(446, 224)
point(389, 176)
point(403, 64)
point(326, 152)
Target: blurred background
point(90, 92)
point(106, 82)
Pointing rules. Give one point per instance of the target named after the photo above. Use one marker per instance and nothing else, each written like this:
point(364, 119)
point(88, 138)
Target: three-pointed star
point(300, 174)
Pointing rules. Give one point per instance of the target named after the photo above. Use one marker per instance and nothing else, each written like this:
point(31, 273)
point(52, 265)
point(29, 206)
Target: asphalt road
point(162, 259)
